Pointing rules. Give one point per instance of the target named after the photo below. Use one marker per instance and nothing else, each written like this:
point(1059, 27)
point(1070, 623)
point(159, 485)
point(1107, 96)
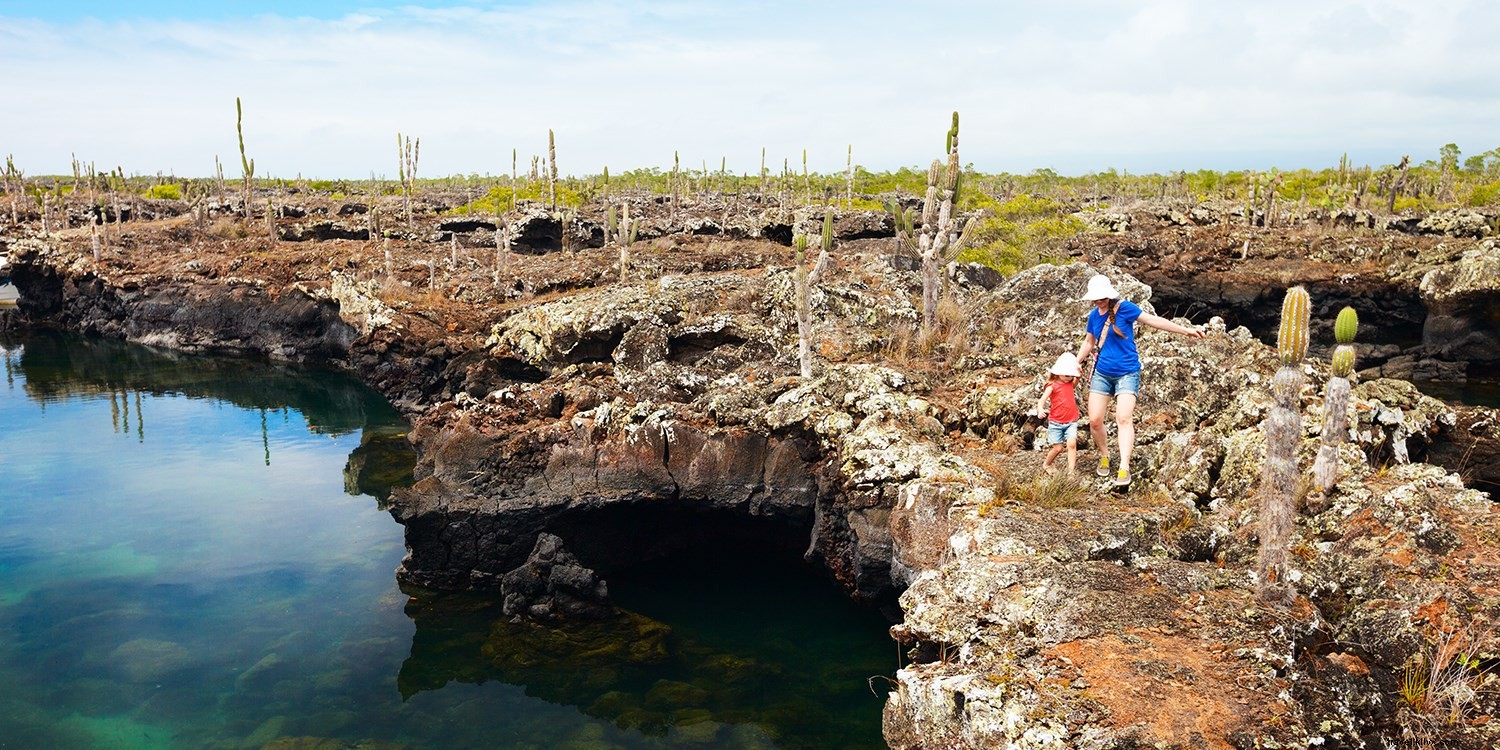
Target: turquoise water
point(193, 555)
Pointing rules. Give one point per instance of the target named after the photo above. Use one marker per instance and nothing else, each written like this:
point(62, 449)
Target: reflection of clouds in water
point(231, 489)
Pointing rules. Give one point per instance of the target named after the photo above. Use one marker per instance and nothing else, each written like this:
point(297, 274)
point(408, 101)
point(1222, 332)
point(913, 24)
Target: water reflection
point(58, 367)
point(721, 647)
point(161, 586)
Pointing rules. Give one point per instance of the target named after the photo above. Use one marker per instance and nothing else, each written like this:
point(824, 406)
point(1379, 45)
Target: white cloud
point(1157, 85)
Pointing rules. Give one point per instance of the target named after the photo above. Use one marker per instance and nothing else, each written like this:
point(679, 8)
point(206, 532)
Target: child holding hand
point(1060, 404)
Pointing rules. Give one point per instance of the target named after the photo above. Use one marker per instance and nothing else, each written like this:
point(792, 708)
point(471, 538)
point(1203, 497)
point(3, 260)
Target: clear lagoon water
point(193, 555)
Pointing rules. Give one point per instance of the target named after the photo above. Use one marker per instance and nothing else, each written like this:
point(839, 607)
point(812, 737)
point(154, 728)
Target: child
point(1060, 404)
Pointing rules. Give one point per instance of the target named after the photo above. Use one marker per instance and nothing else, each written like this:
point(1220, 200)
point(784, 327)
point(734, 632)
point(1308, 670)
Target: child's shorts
point(1061, 432)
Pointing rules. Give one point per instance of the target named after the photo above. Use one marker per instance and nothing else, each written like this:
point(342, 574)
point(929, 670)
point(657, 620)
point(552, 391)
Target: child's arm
point(1041, 403)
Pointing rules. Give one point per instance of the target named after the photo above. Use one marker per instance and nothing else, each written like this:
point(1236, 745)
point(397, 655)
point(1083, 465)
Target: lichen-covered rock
point(1455, 223)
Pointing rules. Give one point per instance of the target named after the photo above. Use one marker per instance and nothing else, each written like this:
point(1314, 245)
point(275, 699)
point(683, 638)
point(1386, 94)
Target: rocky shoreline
point(626, 418)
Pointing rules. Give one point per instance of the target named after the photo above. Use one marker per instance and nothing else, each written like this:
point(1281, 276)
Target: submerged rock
point(552, 585)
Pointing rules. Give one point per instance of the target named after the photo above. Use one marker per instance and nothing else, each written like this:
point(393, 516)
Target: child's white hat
point(1100, 288)
point(1067, 364)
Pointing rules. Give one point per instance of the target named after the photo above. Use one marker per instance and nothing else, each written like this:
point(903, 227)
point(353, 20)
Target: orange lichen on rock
point(1172, 687)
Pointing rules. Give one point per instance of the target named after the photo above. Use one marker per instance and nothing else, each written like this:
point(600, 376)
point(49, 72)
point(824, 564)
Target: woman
point(1117, 372)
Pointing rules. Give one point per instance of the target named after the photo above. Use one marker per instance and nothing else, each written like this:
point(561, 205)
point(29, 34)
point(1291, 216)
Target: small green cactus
point(1346, 326)
point(1335, 410)
point(1343, 361)
point(1291, 342)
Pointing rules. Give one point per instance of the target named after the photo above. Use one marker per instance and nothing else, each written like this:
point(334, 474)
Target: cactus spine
point(1336, 402)
point(1278, 485)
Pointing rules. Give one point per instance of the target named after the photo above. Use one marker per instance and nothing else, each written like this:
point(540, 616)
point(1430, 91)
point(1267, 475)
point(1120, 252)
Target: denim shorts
point(1114, 385)
point(1061, 432)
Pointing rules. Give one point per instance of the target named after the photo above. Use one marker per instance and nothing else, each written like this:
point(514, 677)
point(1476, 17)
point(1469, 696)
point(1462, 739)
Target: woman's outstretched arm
point(1162, 324)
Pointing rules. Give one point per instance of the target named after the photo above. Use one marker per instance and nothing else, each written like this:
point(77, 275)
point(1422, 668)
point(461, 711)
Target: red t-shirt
point(1064, 403)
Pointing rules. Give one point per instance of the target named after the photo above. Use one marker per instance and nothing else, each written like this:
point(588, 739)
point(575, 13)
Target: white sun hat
point(1067, 364)
point(1100, 288)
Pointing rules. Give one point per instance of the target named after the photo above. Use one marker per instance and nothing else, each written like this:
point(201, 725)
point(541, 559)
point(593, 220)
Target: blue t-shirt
point(1117, 356)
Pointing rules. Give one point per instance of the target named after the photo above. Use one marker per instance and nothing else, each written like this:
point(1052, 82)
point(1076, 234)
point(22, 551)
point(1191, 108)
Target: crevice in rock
point(620, 535)
point(781, 234)
point(596, 347)
point(465, 226)
point(514, 369)
point(691, 347)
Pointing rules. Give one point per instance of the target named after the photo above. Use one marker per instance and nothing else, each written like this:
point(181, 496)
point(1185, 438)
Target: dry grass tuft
point(1441, 687)
point(229, 229)
point(1051, 492)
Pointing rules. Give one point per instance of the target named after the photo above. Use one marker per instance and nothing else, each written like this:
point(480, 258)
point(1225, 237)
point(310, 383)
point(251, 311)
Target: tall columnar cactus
point(801, 288)
point(826, 247)
point(552, 169)
point(1336, 402)
point(1278, 485)
point(849, 179)
point(408, 152)
point(942, 234)
point(247, 165)
point(16, 186)
point(624, 236)
point(763, 171)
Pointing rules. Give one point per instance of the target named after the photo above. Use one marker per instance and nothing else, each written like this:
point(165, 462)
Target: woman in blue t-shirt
point(1117, 372)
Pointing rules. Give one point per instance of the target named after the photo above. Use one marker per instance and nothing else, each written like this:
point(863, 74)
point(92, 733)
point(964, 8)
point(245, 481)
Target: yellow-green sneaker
point(1122, 478)
point(1103, 469)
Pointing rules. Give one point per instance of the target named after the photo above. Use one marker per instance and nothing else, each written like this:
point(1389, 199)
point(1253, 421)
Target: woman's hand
point(1162, 324)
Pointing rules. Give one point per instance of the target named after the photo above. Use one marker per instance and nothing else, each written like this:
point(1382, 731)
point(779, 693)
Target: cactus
point(826, 246)
point(801, 283)
point(408, 151)
point(1278, 486)
point(1335, 407)
point(625, 236)
point(247, 165)
point(1343, 361)
point(1291, 340)
point(849, 179)
point(552, 169)
point(942, 235)
point(1346, 326)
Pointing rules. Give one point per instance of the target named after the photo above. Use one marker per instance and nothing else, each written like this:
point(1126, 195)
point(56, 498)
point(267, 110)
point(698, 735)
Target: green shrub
point(167, 192)
point(1019, 233)
point(1484, 195)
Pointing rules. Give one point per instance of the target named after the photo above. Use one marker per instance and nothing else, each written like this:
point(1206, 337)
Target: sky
point(1075, 87)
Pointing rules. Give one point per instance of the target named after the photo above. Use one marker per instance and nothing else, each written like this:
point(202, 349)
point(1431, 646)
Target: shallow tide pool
point(192, 555)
